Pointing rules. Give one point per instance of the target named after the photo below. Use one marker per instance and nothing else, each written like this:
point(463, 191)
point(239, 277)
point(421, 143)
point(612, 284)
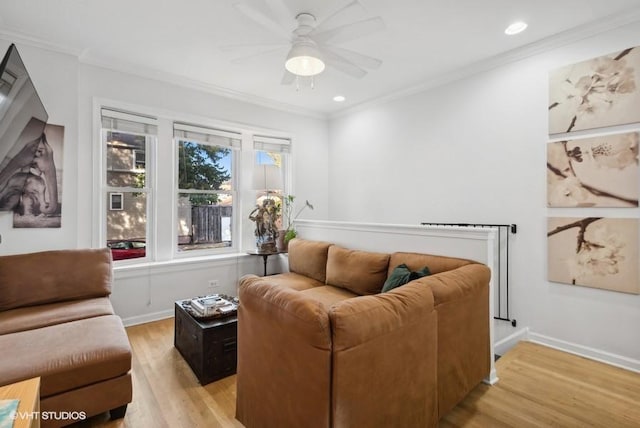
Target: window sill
point(176, 265)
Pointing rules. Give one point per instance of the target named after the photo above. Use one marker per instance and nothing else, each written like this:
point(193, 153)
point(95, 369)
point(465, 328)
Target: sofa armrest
point(284, 357)
point(462, 302)
point(281, 305)
point(382, 342)
point(458, 283)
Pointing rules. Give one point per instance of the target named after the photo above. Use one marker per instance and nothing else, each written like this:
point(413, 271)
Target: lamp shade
point(304, 59)
point(267, 177)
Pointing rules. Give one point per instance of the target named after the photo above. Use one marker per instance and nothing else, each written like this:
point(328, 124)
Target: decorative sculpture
point(266, 232)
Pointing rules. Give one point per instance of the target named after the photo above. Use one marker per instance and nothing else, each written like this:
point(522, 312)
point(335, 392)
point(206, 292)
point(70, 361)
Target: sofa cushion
point(31, 317)
point(401, 275)
point(54, 276)
point(362, 272)
point(292, 280)
point(66, 356)
point(436, 264)
point(309, 258)
point(327, 295)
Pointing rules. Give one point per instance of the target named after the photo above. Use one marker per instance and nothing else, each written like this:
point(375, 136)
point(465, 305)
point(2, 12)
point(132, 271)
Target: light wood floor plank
point(538, 387)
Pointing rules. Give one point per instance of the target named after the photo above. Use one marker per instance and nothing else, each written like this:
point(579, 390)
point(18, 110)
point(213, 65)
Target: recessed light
point(339, 98)
point(515, 28)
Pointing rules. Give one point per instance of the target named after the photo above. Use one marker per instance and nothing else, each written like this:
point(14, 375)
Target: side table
point(265, 256)
point(209, 345)
point(28, 392)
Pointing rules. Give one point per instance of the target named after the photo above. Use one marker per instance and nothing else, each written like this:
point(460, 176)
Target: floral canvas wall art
point(600, 92)
point(594, 252)
point(594, 172)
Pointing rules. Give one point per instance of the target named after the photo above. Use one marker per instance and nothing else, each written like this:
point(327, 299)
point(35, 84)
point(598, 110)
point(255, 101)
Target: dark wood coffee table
point(208, 345)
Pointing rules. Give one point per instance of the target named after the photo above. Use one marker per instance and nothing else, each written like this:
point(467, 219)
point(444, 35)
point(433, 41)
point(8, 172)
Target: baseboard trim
point(586, 352)
point(142, 319)
point(503, 345)
point(492, 379)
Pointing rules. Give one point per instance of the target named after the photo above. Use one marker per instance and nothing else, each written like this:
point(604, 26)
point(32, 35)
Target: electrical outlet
point(213, 283)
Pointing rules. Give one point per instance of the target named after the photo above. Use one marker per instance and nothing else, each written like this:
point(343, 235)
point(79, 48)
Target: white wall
point(474, 150)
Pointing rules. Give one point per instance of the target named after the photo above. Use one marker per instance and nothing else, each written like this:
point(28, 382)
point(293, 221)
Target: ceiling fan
point(311, 44)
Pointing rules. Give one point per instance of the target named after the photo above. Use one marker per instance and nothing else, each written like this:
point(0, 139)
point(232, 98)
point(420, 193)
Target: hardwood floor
point(538, 387)
point(543, 387)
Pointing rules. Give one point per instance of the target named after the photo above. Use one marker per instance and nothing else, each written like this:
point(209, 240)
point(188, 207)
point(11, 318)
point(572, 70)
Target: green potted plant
point(288, 202)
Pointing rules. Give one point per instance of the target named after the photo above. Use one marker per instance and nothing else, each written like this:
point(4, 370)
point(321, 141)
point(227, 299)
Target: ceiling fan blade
point(343, 9)
point(287, 78)
point(356, 58)
point(282, 14)
point(349, 32)
point(340, 63)
point(261, 19)
point(248, 58)
point(252, 46)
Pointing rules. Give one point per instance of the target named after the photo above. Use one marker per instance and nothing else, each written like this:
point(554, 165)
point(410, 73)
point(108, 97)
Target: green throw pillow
point(401, 275)
point(420, 273)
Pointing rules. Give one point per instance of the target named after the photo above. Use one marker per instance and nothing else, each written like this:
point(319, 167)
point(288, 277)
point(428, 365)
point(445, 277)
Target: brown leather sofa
point(321, 346)
point(56, 322)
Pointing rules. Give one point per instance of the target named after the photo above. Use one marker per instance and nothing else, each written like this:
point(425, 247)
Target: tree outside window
point(205, 200)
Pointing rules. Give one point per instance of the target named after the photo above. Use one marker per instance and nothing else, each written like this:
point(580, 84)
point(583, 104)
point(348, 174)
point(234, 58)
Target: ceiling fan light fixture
point(515, 28)
point(304, 59)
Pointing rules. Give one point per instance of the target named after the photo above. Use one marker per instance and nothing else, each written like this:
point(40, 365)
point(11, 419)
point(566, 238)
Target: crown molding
point(198, 85)
point(24, 39)
point(552, 42)
point(148, 73)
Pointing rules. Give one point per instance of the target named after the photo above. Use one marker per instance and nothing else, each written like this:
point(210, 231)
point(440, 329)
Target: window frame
point(162, 204)
point(111, 204)
point(279, 145)
point(236, 154)
point(134, 154)
point(151, 143)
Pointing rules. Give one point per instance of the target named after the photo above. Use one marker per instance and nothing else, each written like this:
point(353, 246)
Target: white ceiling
point(176, 40)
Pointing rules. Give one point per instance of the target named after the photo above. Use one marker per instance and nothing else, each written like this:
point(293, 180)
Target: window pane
point(204, 221)
point(279, 160)
point(6, 83)
point(115, 201)
point(125, 160)
point(269, 158)
point(204, 167)
point(127, 226)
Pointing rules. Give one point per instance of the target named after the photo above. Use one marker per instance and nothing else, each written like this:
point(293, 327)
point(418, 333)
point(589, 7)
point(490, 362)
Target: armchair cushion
point(34, 317)
point(54, 276)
